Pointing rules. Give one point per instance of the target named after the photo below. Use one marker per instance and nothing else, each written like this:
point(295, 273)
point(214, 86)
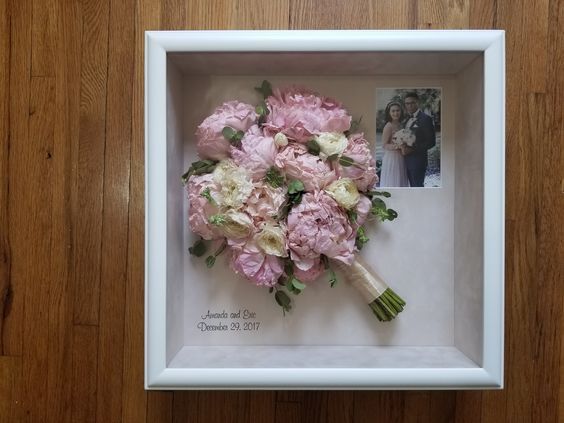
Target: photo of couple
point(408, 137)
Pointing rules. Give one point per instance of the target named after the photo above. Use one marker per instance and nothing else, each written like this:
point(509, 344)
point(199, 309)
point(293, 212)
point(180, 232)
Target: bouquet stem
point(382, 300)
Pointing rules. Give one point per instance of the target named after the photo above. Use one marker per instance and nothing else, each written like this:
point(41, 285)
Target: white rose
point(233, 224)
point(280, 140)
point(344, 192)
point(234, 182)
point(272, 240)
point(331, 143)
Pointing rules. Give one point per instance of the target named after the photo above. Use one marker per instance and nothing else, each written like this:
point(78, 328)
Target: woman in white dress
point(394, 173)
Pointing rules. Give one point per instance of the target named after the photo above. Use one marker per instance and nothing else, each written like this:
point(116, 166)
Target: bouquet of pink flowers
point(286, 188)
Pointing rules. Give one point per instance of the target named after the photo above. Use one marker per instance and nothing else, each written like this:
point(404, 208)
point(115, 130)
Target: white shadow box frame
point(451, 334)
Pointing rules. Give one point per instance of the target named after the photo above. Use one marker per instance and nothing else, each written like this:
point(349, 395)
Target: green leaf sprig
point(361, 238)
point(379, 208)
point(332, 274)
point(198, 249)
point(233, 136)
point(210, 260)
point(265, 89)
point(274, 178)
point(200, 167)
point(296, 191)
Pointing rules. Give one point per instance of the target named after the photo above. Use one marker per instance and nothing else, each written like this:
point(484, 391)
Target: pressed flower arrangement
point(285, 188)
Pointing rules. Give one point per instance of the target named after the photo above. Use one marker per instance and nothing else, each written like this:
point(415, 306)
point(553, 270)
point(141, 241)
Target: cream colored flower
point(344, 192)
point(272, 240)
point(235, 184)
point(331, 143)
point(233, 224)
point(280, 140)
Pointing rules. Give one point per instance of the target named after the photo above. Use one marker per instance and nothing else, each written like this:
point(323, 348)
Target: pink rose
point(300, 113)
point(265, 202)
point(317, 225)
point(211, 142)
point(363, 172)
point(311, 274)
point(200, 208)
point(257, 267)
point(257, 153)
point(297, 163)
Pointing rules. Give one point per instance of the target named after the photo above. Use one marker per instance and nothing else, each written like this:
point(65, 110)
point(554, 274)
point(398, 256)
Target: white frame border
point(158, 44)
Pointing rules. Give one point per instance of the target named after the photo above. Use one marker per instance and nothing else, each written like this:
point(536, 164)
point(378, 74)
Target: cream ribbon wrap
point(364, 279)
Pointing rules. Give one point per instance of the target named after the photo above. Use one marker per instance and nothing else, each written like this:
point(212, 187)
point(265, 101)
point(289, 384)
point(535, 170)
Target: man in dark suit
point(422, 126)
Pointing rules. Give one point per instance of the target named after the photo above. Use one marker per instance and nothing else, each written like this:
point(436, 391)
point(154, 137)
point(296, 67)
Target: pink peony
point(211, 142)
point(311, 274)
point(261, 269)
point(297, 163)
point(362, 209)
point(200, 208)
point(300, 113)
point(363, 172)
point(319, 226)
point(257, 153)
point(265, 202)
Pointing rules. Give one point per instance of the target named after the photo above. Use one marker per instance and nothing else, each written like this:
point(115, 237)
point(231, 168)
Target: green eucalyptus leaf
point(210, 261)
point(228, 133)
point(296, 283)
point(295, 187)
point(313, 147)
point(333, 157)
point(198, 249)
point(346, 161)
point(274, 178)
point(378, 203)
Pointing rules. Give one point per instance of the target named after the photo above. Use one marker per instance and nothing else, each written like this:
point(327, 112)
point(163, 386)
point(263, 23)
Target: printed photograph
point(408, 137)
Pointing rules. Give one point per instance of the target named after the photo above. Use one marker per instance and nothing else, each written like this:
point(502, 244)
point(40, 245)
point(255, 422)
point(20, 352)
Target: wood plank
point(43, 38)
point(91, 142)
point(262, 406)
point(84, 364)
point(535, 26)
point(173, 14)
point(416, 407)
point(18, 200)
point(66, 62)
point(431, 14)
point(482, 14)
point(393, 14)
point(159, 407)
point(371, 405)
point(10, 388)
point(210, 14)
point(468, 407)
point(5, 260)
point(340, 406)
point(185, 406)
point(549, 266)
point(315, 407)
point(115, 215)
point(442, 406)
point(258, 14)
point(330, 14)
point(288, 412)
point(223, 406)
point(134, 397)
point(38, 152)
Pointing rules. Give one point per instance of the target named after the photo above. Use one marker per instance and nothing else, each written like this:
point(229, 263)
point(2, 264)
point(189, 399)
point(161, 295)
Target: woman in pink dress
point(394, 172)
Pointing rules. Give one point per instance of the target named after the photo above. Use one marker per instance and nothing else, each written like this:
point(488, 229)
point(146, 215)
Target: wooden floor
point(72, 214)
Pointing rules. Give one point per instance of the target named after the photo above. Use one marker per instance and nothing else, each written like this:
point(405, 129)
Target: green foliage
point(313, 147)
point(199, 168)
point(233, 136)
point(265, 89)
point(274, 178)
point(198, 249)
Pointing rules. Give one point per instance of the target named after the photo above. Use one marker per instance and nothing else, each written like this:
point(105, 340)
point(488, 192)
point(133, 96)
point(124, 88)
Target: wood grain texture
point(72, 214)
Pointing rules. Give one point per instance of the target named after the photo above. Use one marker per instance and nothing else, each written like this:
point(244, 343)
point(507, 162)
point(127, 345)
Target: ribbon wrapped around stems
point(382, 300)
